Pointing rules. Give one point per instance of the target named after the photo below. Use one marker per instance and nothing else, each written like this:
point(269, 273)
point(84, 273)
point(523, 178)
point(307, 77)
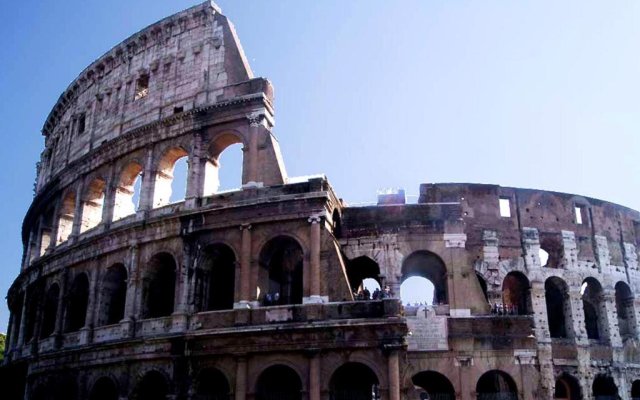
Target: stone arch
point(77, 302)
point(354, 381)
point(593, 306)
point(215, 278)
point(50, 311)
point(158, 286)
point(625, 308)
point(212, 384)
point(92, 204)
point(567, 388)
point(435, 385)
point(281, 272)
point(164, 178)
point(218, 145)
point(604, 388)
point(516, 293)
point(125, 191)
point(66, 216)
point(153, 385)
point(558, 307)
point(104, 389)
point(496, 384)
point(428, 265)
point(361, 268)
point(113, 294)
point(278, 382)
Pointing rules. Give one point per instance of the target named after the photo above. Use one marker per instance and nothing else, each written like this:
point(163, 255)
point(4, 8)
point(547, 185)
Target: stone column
point(23, 318)
point(241, 379)
point(394, 375)
point(59, 326)
point(314, 259)
point(195, 175)
point(539, 305)
point(55, 223)
point(577, 318)
point(148, 184)
point(314, 377)
point(77, 212)
point(609, 319)
point(110, 190)
point(87, 329)
point(130, 308)
point(254, 132)
point(245, 268)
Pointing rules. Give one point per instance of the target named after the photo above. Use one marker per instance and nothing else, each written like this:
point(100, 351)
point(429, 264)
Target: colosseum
point(256, 293)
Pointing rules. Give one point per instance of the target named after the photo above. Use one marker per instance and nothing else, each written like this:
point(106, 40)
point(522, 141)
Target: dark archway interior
point(213, 385)
point(591, 303)
point(354, 381)
point(515, 292)
point(436, 385)
point(104, 389)
point(494, 382)
point(215, 278)
point(159, 285)
point(153, 386)
point(113, 296)
point(604, 388)
point(625, 310)
point(556, 295)
point(282, 257)
point(337, 224)
point(50, 311)
point(567, 388)
point(279, 382)
point(77, 302)
point(635, 390)
point(428, 265)
point(361, 268)
point(483, 286)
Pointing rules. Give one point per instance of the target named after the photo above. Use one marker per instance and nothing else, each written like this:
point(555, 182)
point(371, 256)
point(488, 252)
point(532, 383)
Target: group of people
point(504, 309)
point(364, 294)
point(271, 299)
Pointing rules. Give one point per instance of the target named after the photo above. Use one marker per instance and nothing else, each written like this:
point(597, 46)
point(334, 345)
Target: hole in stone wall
point(128, 191)
point(505, 207)
point(50, 311)
point(65, 221)
point(429, 266)
point(558, 307)
point(142, 87)
point(171, 177)
point(159, 286)
point(281, 271)
point(77, 301)
point(92, 205)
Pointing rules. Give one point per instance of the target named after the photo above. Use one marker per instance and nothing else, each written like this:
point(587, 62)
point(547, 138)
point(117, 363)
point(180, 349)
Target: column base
point(253, 185)
point(179, 322)
point(315, 299)
point(242, 305)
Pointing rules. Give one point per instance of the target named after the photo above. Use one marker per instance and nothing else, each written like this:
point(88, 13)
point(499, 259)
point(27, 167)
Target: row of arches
point(105, 199)
point(212, 288)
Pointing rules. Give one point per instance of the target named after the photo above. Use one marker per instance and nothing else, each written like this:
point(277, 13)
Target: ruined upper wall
point(187, 60)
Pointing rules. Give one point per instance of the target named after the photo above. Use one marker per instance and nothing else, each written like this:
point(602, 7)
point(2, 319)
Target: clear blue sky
point(374, 94)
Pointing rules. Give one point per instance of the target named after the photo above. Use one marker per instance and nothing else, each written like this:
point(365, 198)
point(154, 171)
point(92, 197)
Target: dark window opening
point(635, 390)
point(592, 304)
point(279, 382)
point(159, 286)
point(515, 293)
point(626, 311)
point(113, 295)
point(81, 124)
point(50, 311)
point(434, 386)
point(604, 388)
point(77, 302)
point(558, 307)
point(281, 273)
point(215, 278)
point(178, 110)
point(142, 87)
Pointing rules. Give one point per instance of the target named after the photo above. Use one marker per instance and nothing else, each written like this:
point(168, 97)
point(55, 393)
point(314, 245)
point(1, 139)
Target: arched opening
point(483, 286)
point(279, 382)
point(50, 311)
point(558, 307)
point(635, 390)
point(171, 177)
point(212, 385)
point(593, 304)
point(153, 386)
point(354, 381)
point(427, 265)
point(281, 271)
point(128, 191)
point(626, 311)
point(65, 220)
point(336, 224)
point(435, 386)
point(417, 290)
point(113, 294)
point(604, 388)
point(159, 286)
point(215, 278)
point(92, 205)
point(496, 384)
point(551, 249)
point(360, 269)
point(16, 311)
point(77, 301)
point(223, 169)
point(31, 304)
point(104, 389)
point(567, 388)
point(515, 293)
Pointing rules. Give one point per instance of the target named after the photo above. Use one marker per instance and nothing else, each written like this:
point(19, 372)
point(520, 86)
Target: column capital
point(255, 119)
point(243, 227)
point(315, 219)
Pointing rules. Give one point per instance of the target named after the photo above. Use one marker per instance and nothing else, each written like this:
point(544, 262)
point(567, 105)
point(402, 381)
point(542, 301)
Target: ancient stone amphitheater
point(534, 291)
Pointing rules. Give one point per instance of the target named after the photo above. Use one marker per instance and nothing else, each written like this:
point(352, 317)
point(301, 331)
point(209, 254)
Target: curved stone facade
point(249, 293)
